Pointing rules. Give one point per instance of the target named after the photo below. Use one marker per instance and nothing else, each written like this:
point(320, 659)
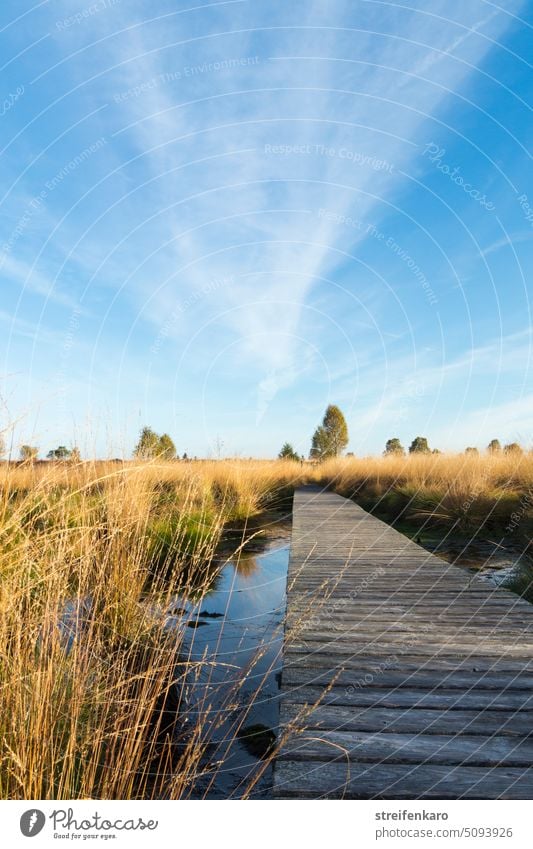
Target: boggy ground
point(93, 555)
point(93, 681)
point(472, 510)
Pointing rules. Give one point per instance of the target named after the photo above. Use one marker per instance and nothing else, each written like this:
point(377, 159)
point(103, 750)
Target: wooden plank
point(486, 648)
point(413, 720)
point(383, 677)
point(417, 748)
point(316, 780)
point(351, 625)
point(467, 617)
point(407, 662)
point(406, 697)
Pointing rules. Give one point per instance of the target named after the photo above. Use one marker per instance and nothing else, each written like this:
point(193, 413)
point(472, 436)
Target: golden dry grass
point(463, 490)
point(86, 664)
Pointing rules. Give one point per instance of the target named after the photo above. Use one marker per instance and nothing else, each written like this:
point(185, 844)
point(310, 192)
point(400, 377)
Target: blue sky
point(216, 219)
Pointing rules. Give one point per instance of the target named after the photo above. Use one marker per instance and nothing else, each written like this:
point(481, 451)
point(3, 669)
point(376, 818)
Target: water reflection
point(238, 629)
point(247, 564)
point(501, 564)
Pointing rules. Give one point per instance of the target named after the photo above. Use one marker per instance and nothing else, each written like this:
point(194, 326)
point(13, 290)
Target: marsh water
point(234, 641)
point(497, 562)
point(237, 627)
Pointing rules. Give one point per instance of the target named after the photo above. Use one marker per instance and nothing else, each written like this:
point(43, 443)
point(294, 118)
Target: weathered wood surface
point(404, 676)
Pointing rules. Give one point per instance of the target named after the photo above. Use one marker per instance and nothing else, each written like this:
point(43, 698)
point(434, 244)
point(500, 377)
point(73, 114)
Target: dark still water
point(238, 629)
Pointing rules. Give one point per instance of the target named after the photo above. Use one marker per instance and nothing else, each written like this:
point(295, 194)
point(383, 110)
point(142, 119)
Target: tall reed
point(469, 492)
point(93, 681)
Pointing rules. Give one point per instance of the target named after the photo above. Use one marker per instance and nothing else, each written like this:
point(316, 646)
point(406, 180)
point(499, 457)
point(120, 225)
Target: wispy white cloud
point(226, 130)
point(28, 329)
point(322, 108)
point(402, 394)
point(27, 278)
point(508, 242)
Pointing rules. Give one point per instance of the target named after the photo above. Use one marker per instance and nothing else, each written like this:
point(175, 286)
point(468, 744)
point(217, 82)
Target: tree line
point(150, 445)
point(419, 445)
point(330, 439)
point(30, 453)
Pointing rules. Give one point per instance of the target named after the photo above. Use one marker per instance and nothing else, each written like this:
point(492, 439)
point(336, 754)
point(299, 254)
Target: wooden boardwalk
point(416, 675)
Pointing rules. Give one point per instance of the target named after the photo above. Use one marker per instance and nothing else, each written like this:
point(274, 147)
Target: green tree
point(394, 446)
point(28, 453)
point(59, 453)
point(494, 446)
point(319, 444)
point(166, 448)
point(151, 445)
point(471, 450)
point(146, 448)
point(512, 448)
point(288, 453)
point(419, 445)
point(331, 437)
